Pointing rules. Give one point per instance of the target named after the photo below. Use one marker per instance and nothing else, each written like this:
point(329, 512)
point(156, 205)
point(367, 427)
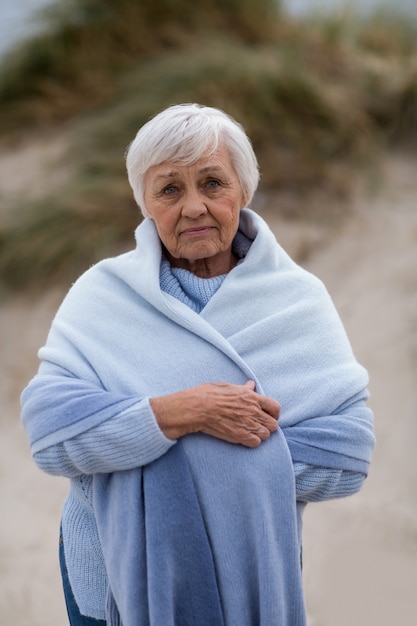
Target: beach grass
point(320, 98)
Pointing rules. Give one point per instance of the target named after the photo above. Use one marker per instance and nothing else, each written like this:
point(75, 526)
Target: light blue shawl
point(118, 339)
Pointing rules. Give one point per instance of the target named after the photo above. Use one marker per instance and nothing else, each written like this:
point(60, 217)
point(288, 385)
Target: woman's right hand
point(234, 413)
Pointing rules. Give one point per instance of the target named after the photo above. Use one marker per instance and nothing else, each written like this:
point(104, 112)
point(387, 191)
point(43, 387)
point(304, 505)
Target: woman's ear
point(245, 198)
point(144, 211)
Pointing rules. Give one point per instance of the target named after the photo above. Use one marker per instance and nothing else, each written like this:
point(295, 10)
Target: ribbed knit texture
point(195, 292)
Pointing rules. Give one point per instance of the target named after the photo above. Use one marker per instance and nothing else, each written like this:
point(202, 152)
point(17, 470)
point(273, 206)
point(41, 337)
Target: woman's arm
point(76, 427)
point(343, 440)
point(124, 441)
point(316, 484)
point(321, 472)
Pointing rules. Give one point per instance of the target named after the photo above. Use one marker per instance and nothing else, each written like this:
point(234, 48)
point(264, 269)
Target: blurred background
point(327, 91)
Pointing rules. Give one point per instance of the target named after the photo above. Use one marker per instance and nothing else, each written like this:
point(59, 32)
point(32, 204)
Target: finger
point(263, 433)
point(268, 421)
point(253, 442)
point(251, 384)
point(260, 430)
point(250, 440)
point(243, 437)
point(270, 406)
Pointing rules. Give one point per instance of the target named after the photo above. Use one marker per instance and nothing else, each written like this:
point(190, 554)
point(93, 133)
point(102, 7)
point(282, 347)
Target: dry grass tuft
point(319, 98)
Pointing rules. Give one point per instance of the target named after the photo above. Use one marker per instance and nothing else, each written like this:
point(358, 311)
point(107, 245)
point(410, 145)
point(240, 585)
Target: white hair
point(183, 134)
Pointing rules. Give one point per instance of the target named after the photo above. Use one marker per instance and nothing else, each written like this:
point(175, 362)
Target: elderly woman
point(197, 391)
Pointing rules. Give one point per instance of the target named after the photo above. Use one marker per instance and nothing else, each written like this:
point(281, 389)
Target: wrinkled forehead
point(213, 163)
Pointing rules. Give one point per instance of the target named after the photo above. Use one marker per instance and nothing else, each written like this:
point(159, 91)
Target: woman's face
point(196, 211)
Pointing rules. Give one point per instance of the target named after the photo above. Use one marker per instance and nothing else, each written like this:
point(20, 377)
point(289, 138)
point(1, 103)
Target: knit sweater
point(123, 434)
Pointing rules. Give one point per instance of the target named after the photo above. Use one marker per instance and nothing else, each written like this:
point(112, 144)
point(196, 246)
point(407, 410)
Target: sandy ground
point(361, 552)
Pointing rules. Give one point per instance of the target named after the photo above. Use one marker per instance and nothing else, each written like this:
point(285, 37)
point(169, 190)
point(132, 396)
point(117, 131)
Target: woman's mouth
point(196, 231)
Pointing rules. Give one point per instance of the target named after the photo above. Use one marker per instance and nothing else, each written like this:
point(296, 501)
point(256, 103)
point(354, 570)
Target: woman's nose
point(193, 204)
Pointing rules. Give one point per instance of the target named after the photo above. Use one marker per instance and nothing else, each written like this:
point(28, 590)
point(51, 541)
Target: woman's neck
point(206, 268)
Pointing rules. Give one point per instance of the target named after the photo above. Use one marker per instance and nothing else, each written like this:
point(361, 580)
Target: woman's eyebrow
point(165, 175)
point(175, 173)
point(210, 168)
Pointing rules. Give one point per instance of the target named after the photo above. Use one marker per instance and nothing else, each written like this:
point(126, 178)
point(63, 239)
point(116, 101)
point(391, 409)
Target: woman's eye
point(168, 191)
point(212, 184)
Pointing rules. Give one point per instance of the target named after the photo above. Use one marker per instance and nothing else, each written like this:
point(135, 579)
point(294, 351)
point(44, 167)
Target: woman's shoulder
point(98, 286)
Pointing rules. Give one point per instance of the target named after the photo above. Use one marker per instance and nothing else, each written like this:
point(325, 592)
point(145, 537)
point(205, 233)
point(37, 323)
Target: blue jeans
point(75, 617)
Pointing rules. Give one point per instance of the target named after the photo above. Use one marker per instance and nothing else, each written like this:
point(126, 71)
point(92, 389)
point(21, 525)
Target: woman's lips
point(196, 230)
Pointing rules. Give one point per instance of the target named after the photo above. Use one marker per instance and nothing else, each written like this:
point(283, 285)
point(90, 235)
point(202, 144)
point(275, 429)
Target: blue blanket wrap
point(165, 526)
